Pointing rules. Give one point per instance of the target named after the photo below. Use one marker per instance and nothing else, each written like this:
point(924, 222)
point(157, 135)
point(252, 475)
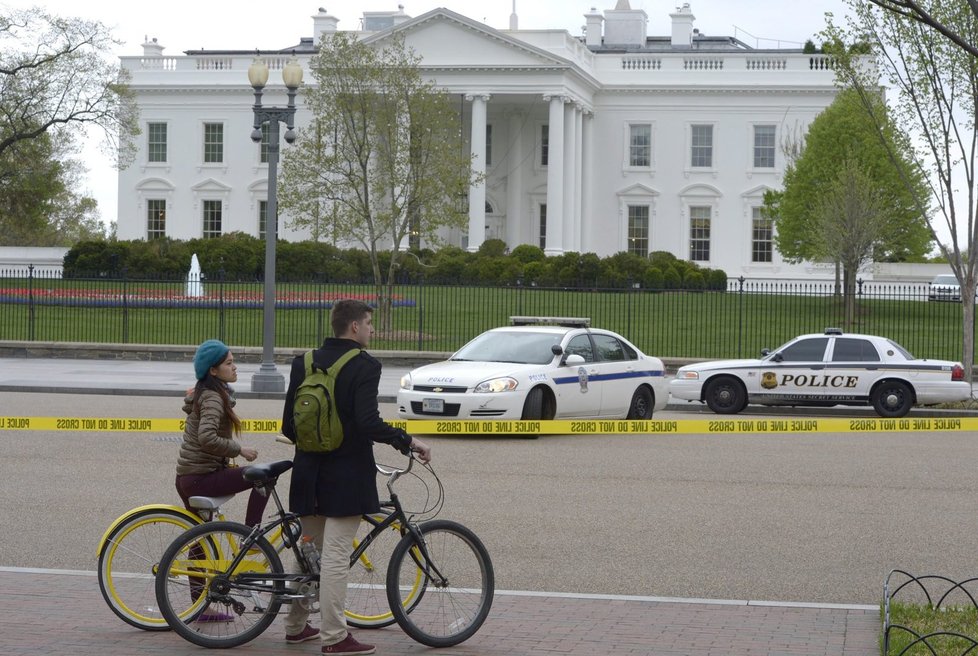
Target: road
point(794, 517)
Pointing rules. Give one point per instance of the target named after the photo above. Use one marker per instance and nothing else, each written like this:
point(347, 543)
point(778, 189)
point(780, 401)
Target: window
point(155, 219)
point(581, 346)
point(262, 216)
point(762, 237)
point(544, 144)
point(212, 219)
point(608, 348)
point(488, 145)
point(701, 151)
point(764, 146)
point(543, 225)
point(849, 349)
point(156, 142)
point(699, 234)
point(640, 145)
point(806, 350)
point(638, 229)
point(263, 146)
point(213, 143)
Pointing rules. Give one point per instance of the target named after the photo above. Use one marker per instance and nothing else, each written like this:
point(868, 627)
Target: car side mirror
point(573, 360)
point(765, 351)
point(555, 349)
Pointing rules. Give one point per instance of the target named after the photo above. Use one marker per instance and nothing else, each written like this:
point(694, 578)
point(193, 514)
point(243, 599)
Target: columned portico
point(514, 185)
point(477, 190)
point(555, 177)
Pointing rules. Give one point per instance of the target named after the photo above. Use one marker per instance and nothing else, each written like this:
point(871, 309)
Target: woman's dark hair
point(211, 382)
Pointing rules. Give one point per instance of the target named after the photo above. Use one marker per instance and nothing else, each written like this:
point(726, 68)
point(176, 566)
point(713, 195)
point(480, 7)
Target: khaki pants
point(334, 536)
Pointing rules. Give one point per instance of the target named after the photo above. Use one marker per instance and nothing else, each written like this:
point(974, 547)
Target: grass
point(442, 318)
point(925, 620)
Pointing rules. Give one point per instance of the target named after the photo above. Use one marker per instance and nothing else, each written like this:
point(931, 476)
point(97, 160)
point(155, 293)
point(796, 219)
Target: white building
point(660, 143)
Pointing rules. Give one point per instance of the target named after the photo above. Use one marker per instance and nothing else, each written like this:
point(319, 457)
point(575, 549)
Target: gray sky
point(181, 25)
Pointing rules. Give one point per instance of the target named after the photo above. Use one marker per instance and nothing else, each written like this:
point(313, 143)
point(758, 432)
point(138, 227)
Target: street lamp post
point(268, 378)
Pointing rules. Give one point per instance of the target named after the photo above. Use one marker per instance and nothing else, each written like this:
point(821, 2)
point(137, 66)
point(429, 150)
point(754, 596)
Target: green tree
point(381, 157)
point(845, 131)
point(932, 78)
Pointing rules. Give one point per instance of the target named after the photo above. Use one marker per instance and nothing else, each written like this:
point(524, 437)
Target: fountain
point(195, 288)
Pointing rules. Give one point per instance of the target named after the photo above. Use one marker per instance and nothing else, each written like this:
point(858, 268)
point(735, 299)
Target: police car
point(824, 370)
point(538, 368)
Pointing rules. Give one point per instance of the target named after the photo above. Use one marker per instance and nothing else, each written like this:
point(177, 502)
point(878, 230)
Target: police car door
point(577, 394)
point(613, 366)
point(855, 365)
point(795, 367)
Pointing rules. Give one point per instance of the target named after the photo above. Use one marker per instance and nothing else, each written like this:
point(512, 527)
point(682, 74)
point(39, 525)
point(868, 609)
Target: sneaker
point(348, 646)
point(305, 635)
point(214, 617)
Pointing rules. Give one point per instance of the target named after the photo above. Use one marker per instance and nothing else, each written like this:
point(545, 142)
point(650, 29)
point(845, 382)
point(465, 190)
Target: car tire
point(533, 406)
point(892, 399)
point(725, 395)
point(641, 405)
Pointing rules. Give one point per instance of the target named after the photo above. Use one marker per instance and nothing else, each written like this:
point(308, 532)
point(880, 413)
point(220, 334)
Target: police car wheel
point(641, 405)
point(533, 406)
point(725, 395)
point(892, 399)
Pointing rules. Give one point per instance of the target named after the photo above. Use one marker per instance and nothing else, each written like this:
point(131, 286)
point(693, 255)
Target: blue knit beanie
point(209, 354)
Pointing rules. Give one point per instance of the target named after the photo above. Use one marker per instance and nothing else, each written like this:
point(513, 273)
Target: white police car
point(824, 370)
point(538, 368)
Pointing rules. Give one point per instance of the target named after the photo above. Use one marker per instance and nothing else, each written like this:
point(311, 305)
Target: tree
point(921, 13)
point(934, 83)
point(381, 158)
point(805, 219)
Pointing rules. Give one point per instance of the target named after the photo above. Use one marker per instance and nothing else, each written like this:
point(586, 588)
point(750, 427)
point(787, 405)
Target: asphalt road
point(795, 517)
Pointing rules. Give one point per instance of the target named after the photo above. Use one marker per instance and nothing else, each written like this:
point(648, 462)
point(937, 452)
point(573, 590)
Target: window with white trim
point(762, 236)
point(212, 214)
point(701, 146)
point(156, 142)
point(699, 233)
point(543, 225)
point(263, 146)
point(638, 229)
point(544, 144)
point(155, 218)
point(213, 143)
point(640, 145)
point(764, 144)
point(488, 144)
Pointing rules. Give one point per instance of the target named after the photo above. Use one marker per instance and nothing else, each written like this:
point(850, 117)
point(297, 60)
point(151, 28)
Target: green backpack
point(317, 422)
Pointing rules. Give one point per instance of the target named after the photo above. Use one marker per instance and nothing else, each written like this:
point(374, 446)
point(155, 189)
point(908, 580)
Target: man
point(330, 491)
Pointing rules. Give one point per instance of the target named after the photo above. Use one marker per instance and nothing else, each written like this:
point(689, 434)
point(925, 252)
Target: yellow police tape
point(554, 427)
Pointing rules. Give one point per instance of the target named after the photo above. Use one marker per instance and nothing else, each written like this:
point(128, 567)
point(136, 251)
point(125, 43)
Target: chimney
point(323, 23)
point(400, 16)
point(592, 30)
point(151, 48)
point(624, 26)
point(682, 26)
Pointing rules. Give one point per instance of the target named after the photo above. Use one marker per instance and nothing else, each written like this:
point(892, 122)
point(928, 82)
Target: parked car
point(944, 287)
point(825, 370)
point(538, 368)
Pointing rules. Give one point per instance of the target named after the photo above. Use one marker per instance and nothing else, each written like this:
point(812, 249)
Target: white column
point(578, 180)
point(570, 154)
point(477, 190)
point(514, 181)
point(555, 178)
point(587, 176)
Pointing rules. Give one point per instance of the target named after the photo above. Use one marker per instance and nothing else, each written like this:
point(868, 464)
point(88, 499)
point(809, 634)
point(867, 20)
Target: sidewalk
point(45, 612)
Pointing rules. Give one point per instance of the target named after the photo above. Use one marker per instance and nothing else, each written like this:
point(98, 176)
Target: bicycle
point(439, 581)
point(130, 549)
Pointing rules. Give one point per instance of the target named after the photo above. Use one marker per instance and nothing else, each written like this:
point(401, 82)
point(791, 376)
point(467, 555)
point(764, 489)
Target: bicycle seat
point(266, 471)
point(209, 503)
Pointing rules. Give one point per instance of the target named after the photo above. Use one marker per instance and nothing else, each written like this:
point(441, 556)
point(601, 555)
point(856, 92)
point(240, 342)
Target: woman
point(203, 466)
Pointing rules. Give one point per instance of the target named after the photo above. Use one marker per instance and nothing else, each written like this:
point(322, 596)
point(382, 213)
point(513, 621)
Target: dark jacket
point(342, 483)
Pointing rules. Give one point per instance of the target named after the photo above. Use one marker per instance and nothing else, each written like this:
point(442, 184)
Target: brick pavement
point(63, 613)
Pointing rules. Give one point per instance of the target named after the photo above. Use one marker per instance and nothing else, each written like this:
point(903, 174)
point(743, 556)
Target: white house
point(605, 142)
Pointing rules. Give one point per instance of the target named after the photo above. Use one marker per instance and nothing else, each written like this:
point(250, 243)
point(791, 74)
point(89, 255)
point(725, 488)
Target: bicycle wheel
point(128, 560)
point(457, 589)
point(206, 602)
point(366, 596)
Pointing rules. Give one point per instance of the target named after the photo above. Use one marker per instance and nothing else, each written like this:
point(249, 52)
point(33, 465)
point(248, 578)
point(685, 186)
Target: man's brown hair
point(346, 312)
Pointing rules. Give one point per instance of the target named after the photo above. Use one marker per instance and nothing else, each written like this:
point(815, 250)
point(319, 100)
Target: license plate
point(432, 405)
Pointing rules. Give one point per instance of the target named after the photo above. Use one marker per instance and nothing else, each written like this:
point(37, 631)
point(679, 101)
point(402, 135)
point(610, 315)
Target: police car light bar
point(566, 322)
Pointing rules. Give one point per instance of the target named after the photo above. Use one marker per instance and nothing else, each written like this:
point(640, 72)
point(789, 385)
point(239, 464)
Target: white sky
point(181, 25)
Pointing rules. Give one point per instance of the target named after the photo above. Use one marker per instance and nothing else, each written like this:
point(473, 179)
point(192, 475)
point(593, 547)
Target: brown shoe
point(348, 646)
point(306, 634)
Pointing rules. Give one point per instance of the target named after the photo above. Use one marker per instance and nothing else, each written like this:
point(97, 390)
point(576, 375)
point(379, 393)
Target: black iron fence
point(413, 315)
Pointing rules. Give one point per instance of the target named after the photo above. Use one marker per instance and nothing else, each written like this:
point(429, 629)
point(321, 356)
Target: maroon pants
point(219, 483)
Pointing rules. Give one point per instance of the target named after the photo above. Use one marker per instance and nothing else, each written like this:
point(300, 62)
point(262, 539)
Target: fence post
point(740, 317)
point(421, 311)
point(30, 302)
point(125, 306)
point(220, 305)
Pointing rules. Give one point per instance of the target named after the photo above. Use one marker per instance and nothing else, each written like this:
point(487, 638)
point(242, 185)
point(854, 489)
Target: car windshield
point(510, 346)
point(945, 280)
